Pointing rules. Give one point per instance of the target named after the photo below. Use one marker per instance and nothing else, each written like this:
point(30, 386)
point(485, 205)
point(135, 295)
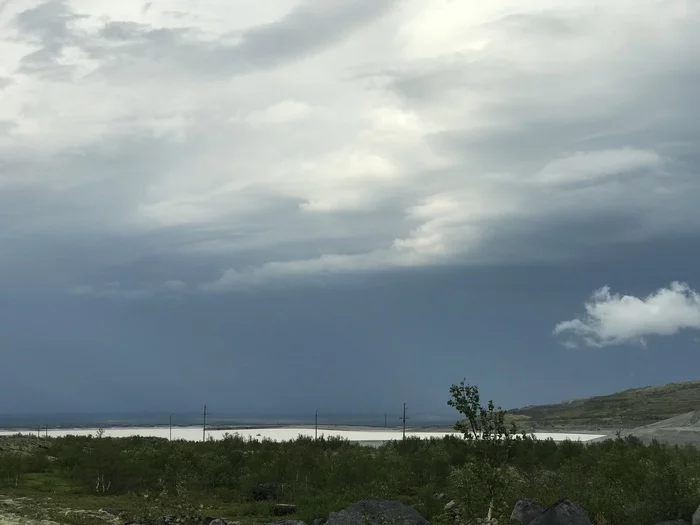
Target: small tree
point(486, 430)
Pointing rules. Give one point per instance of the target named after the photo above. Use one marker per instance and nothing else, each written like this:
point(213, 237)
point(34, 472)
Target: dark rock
point(283, 509)
point(525, 512)
point(207, 520)
point(265, 492)
point(374, 512)
point(563, 512)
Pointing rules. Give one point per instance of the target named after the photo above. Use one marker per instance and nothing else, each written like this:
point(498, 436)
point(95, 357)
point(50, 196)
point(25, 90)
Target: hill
point(678, 430)
point(629, 409)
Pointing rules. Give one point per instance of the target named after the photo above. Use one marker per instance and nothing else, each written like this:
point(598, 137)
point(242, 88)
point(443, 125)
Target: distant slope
point(629, 409)
point(678, 430)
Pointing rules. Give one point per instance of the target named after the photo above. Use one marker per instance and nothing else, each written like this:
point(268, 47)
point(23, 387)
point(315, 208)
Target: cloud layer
point(270, 141)
point(612, 319)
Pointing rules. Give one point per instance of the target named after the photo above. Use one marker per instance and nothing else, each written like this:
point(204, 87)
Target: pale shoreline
point(369, 435)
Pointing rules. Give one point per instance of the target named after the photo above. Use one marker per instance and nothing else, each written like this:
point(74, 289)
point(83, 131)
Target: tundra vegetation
point(619, 481)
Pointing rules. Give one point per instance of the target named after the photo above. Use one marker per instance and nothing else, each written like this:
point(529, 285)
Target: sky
point(273, 206)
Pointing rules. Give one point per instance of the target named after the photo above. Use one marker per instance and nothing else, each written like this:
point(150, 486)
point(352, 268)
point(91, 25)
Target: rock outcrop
point(563, 512)
point(525, 512)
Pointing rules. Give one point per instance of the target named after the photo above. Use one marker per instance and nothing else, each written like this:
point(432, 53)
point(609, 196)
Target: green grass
point(621, 481)
point(628, 409)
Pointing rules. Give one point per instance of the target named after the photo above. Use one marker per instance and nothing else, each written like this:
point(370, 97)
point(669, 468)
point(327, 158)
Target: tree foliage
point(484, 479)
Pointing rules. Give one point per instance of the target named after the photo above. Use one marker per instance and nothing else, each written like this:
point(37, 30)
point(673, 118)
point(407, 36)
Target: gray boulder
point(525, 512)
point(218, 521)
point(449, 505)
point(563, 512)
point(374, 512)
point(696, 517)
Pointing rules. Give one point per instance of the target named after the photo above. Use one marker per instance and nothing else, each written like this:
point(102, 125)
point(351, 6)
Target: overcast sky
point(274, 205)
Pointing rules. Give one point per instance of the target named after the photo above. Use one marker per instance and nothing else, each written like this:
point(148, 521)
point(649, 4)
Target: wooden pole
point(404, 421)
point(404, 418)
point(204, 427)
point(316, 425)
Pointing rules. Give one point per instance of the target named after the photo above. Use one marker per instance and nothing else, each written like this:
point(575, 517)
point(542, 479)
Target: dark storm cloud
point(310, 28)
point(49, 25)
point(497, 175)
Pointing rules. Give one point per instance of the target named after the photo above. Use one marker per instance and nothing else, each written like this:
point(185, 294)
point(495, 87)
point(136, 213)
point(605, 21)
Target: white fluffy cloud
point(274, 139)
point(616, 319)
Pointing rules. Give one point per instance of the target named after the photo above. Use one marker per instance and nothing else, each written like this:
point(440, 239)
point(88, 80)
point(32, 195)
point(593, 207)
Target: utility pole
point(316, 425)
point(404, 418)
point(204, 427)
point(384, 420)
point(171, 427)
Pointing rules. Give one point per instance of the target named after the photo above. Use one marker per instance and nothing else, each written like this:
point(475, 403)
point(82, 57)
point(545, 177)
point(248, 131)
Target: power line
point(316, 425)
point(404, 418)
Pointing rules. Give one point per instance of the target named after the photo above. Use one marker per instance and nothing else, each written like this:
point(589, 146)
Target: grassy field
point(628, 409)
point(47, 497)
point(620, 482)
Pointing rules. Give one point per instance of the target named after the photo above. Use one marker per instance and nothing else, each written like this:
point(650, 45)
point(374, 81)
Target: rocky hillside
point(629, 409)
